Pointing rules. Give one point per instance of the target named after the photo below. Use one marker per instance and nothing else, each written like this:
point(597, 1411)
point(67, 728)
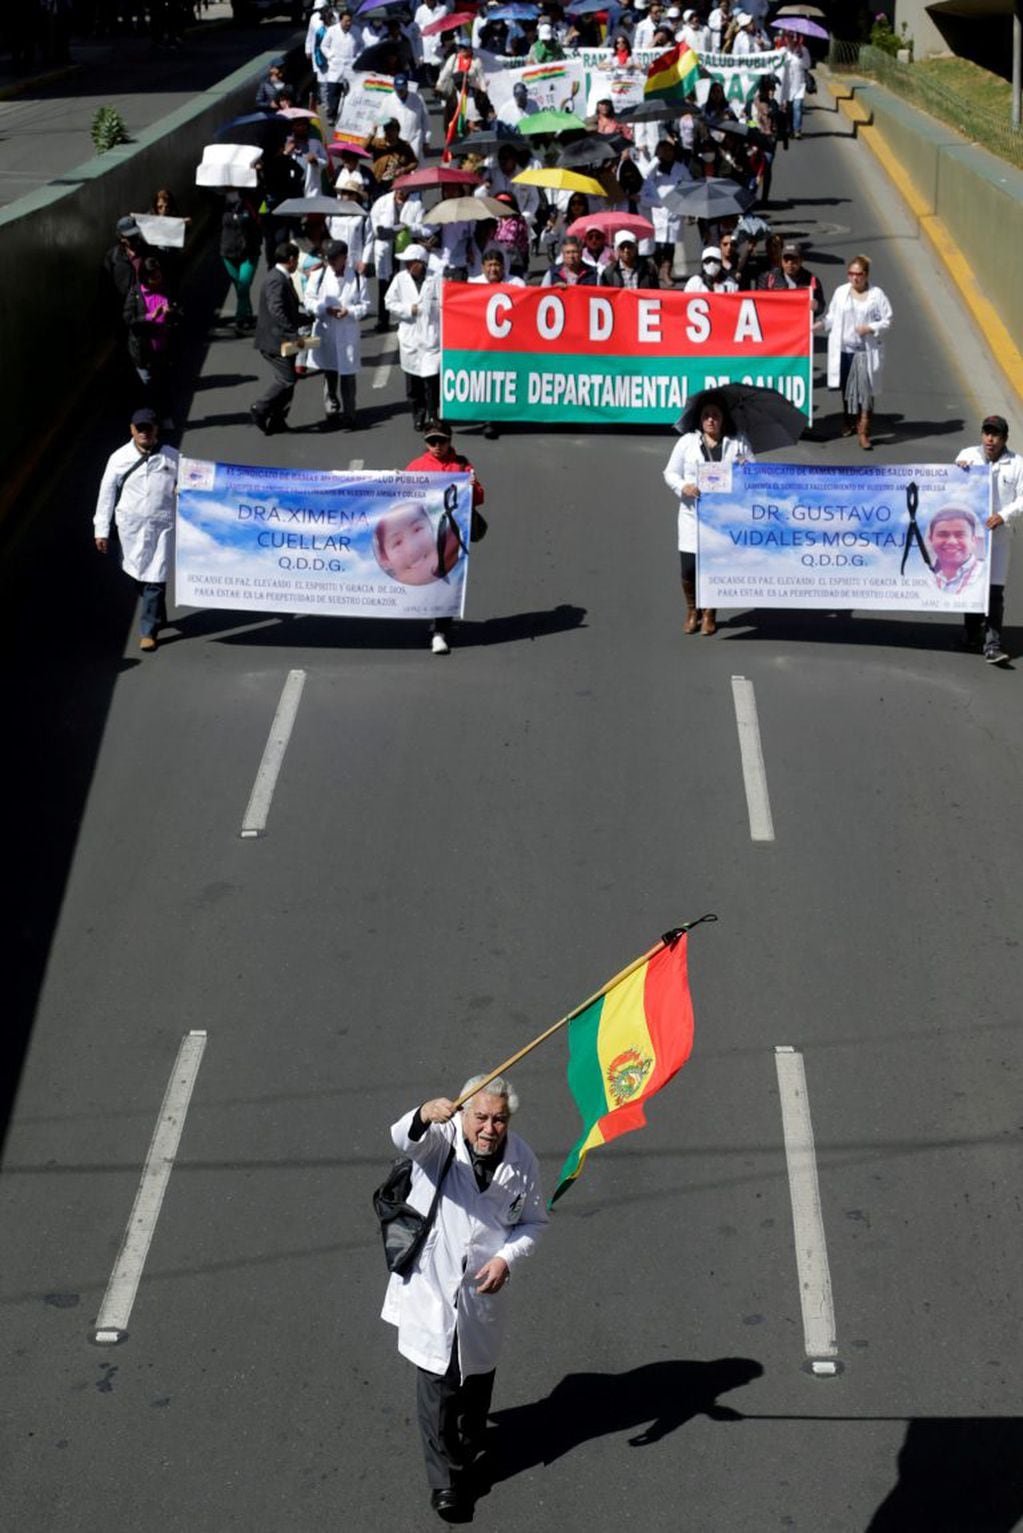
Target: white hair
point(498, 1087)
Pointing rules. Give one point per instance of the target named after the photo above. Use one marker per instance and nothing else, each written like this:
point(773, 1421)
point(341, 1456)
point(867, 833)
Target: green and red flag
point(624, 1045)
point(673, 75)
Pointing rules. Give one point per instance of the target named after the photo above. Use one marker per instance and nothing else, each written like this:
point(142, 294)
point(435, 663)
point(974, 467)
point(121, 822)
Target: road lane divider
point(815, 1297)
point(254, 822)
point(754, 776)
point(119, 1299)
point(382, 376)
point(357, 463)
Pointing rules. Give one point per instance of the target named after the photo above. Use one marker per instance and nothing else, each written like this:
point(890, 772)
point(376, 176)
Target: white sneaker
point(439, 645)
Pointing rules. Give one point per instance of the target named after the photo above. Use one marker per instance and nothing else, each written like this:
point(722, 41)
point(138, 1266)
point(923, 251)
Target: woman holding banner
point(708, 437)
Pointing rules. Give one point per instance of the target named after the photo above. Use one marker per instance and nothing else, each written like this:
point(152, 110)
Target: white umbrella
point(459, 210)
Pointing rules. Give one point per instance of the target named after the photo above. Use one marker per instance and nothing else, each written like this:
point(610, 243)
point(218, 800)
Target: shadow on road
point(957, 1475)
point(261, 629)
point(653, 1400)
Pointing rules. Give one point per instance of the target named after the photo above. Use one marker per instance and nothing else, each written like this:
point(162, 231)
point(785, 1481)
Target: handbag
point(811, 84)
point(403, 1228)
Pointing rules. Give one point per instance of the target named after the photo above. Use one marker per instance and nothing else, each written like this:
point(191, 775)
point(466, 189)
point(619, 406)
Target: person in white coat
point(858, 316)
point(984, 631)
point(414, 300)
point(392, 214)
point(655, 201)
point(408, 109)
point(341, 46)
point(338, 298)
point(714, 440)
point(139, 492)
point(432, 45)
point(449, 1309)
point(795, 68)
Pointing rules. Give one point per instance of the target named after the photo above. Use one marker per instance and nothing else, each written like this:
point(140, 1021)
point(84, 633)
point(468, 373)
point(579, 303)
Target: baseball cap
point(401, 79)
point(437, 428)
point(128, 225)
point(144, 417)
point(414, 253)
point(623, 237)
point(711, 253)
point(792, 247)
point(996, 423)
point(545, 30)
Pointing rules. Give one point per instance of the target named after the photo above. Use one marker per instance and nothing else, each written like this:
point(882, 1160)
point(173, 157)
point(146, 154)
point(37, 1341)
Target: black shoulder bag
point(403, 1228)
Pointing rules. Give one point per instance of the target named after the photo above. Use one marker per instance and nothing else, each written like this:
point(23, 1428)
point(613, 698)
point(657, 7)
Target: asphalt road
point(459, 850)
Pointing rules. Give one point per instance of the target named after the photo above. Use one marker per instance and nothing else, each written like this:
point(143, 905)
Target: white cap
point(413, 253)
point(623, 237)
point(545, 30)
point(673, 13)
point(711, 253)
point(686, 15)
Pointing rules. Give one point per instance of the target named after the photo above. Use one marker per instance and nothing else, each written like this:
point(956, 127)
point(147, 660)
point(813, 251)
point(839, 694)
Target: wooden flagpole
point(623, 974)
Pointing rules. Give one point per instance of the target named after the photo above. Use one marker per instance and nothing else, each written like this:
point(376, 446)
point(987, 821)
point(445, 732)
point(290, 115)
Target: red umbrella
point(450, 23)
point(340, 146)
point(613, 223)
point(436, 175)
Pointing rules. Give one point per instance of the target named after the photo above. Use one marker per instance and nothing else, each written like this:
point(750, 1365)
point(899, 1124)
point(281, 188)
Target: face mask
point(712, 268)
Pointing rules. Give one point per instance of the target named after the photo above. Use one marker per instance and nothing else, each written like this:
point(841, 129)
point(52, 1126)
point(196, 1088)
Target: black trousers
point(423, 395)
point(987, 630)
point(274, 402)
point(345, 406)
point(452, 1420)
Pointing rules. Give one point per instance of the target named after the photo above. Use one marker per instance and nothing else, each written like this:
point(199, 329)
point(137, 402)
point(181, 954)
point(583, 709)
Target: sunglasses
point(437, 441)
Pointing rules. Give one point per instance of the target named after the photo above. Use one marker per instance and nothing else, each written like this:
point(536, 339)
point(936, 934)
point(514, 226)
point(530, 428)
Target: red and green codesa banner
point(617, 355)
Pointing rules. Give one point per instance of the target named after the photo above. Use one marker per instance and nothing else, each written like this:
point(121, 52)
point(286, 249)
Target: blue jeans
point(797, 115)
point(154, 606)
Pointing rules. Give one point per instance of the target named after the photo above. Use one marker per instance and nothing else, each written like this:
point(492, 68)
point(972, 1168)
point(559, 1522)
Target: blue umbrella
point(588, 7)
point(517, 11)
point(378, 5)
point(259, 128)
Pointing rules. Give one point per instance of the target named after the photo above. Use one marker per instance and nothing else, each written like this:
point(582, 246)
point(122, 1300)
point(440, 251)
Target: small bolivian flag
point(624, 1046)
point(672, 75)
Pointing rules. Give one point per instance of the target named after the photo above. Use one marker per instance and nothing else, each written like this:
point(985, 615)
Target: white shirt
point(312, 171)
point(340, 49)
point(684, 467)
point(433, 46)
point(413, 119)
point(145, 510)
point(667, 221)
point(1006, 499)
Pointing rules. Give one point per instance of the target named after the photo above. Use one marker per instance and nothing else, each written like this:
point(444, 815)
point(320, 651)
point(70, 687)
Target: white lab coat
point(339, 350)
point(341, 49)
point(418, 334)
point(312, 171)
point(1006, 499)
point(439, 1294)
point(412, 117)
point(696, 284)
point(745, 42)
point(684, 467)
point(433, 46)
point(876, 312)
point(385, 215)
point(697, 38)
point(145, 511)
point(667, 221)
point(357, 232)
point(795, 68)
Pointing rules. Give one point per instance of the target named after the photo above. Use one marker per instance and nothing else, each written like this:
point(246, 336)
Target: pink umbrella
point(341, 146)
point(436, 175)
point(292, 112)
point(612, 223)
point(450, 23)
point(801, 25)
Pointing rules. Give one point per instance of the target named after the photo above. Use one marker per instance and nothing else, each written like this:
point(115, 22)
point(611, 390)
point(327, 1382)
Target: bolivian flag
point(624, 1045)
point(673, 75)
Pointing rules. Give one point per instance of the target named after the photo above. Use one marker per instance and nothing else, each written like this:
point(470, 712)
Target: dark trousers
point(274, 402)
point(346, 404)
point(154, 606)
point(987, 630)
point(424, 396)
point(452, 1420)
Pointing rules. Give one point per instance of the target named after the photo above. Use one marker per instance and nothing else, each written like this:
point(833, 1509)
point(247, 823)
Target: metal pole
point(1017, 52)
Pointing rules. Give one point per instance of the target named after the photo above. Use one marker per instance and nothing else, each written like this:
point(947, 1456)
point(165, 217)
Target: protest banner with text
point(905, 537)
point(361, 104)
point(340, 543)
point(614, 355)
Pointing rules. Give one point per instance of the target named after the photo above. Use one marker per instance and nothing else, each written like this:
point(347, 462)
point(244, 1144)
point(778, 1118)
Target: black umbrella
point(763, 416)
point(717, 197)
point(387, 58)
point(486, 140)
point(651, 111)
point(584, 153)
point(259, 128)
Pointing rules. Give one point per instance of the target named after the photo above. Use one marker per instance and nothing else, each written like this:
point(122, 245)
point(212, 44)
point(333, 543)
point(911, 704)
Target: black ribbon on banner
point(913, 533)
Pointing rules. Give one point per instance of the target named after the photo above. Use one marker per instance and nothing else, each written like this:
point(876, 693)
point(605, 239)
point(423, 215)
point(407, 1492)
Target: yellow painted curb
point(985, 315)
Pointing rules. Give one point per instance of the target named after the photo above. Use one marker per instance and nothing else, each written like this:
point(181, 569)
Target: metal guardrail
point(988, 129)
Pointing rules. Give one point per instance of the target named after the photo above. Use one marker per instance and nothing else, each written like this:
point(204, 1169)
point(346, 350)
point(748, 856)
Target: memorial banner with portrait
point(621, 356)
point(899, 538)
point(557, 86)
point(338, 542)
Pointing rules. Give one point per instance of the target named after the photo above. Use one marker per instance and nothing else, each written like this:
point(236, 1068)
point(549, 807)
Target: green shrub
point(108, 129)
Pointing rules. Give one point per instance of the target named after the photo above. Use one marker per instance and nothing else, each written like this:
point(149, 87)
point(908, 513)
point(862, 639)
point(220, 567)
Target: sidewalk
point(45, 126)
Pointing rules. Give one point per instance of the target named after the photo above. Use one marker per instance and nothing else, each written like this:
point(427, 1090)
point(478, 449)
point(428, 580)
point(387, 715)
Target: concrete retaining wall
point(55, 310)
point(978, 197)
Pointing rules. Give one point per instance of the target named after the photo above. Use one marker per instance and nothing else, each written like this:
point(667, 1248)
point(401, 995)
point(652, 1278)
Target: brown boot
point(849, 425)
point(863, 431)
point(692, 621)
point(710, 620)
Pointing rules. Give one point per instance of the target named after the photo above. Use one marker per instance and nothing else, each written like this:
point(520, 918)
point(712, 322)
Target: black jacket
point(774, 281)
point(611, 277)
point(278, 313)
point(239, 232)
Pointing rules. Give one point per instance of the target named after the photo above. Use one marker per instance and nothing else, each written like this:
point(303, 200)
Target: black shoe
point(490, 431)
point(261, 421)
point(418, 420)
point(451, 1505)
